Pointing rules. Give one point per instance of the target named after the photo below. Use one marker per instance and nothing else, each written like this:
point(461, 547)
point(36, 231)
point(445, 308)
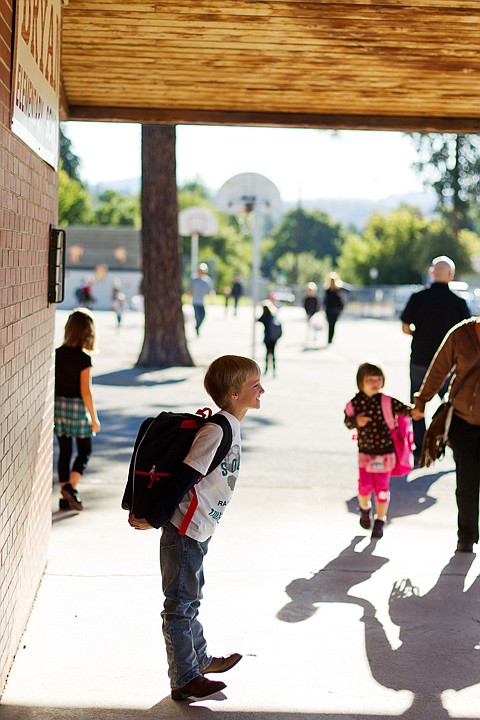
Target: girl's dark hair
point(80, 330)
point(368, 369)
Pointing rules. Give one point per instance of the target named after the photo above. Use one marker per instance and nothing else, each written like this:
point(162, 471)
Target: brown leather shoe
point(222, 664)
point(199, 687)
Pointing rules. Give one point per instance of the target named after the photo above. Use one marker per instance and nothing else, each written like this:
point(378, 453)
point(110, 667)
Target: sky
point(303, 164)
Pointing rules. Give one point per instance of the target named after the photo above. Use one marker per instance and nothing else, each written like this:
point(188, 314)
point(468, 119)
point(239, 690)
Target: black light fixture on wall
point(56, 265)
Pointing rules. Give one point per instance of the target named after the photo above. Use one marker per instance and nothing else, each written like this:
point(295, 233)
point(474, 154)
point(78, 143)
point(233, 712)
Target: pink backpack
point(402, 436)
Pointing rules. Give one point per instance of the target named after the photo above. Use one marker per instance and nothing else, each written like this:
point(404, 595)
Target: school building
point(322, 64)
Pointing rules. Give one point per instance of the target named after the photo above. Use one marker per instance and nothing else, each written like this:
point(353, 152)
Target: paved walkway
point(332, 625)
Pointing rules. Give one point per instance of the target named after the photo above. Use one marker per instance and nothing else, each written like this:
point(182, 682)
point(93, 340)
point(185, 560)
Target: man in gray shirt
point(200, 286)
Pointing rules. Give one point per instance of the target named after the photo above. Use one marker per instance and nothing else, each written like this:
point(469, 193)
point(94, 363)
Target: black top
point(434, 312)
point(69, 362)
point(333, 301)
point(236, 289)
point(310, 304)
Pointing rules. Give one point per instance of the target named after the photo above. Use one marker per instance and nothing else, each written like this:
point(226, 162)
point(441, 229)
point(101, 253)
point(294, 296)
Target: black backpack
point(161, 445)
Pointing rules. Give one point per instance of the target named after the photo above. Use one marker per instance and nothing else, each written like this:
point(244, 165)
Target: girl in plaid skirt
point(75, 414)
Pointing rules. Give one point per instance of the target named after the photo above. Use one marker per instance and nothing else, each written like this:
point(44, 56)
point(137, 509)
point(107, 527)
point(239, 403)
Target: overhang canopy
point(351, 64)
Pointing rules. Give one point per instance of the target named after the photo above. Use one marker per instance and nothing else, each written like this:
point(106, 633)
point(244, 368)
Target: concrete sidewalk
point(332, 625)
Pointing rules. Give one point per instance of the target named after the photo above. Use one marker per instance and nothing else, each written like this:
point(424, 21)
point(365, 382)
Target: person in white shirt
point(233, 382)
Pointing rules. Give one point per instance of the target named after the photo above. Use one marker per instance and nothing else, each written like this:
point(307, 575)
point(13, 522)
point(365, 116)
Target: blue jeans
point(181, 565)
point(417, 373)
point(199, 311)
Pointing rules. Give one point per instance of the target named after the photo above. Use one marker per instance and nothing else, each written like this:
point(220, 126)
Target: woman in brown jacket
point(460, 351)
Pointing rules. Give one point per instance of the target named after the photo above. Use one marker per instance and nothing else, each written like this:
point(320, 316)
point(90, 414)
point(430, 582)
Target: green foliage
point(193, 193)
point(439, 239)
point(450, 164)
point(68, 160)
point(119, 210)
point(400, 246)
point(306, 232)
point(74, 201)
point(388, 245)
point(304, 268)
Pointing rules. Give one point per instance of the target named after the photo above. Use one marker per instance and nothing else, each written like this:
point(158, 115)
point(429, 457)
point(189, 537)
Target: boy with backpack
point(233, 383)
point(376, 456)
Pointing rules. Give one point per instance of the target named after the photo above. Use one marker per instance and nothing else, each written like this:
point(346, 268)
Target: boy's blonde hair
point(227, 374)
point(80, 330)
point(368, 369)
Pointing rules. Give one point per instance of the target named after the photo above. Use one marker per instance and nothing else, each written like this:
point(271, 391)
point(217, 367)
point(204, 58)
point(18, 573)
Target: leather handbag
point(436, 437)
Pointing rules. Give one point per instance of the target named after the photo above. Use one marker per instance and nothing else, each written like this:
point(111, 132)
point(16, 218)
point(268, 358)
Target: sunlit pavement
point(331, 624)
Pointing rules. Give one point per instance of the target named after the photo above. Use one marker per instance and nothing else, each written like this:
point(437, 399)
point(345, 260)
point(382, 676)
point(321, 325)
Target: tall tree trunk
point(164, 344)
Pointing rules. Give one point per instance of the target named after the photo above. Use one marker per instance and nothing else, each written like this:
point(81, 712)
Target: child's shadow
point(332, 583)
point(408, 497)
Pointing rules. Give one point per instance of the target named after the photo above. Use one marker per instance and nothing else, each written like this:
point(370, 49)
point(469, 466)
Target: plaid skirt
point(70, 417)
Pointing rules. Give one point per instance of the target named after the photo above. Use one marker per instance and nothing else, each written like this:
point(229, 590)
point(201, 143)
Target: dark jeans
point(417, 373)
point(199, 311)
point(270, 352)
point(464, 440)
point(84, 450)
point(332, 317)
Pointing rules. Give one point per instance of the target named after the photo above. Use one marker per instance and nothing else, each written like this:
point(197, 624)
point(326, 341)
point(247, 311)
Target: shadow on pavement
point(439, 631)
point(408, 497)
point(140, 377)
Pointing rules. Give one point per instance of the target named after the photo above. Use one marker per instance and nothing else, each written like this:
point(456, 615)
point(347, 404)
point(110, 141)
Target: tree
point(68, 160)
point(389, 245)
point(74, 201)
point(400, 245)
point(304, 232)
point(304, 268)
point(439, 239)
point(164, 343)
point(450, 164)
point(115, 209)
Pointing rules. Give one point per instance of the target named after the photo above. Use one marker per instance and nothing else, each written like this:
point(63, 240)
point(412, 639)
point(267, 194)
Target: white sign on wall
point(36, 76)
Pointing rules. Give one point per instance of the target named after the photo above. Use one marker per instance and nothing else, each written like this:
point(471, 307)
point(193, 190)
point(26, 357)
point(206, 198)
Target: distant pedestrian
point(311, 302)
point(116, 289)
point(333, 303)
point(376, 456)
point(236, 292)
point(272, 333)
point(311, 305)
point(120, 307)
point(427, 317)
point(75, 415)
point(200, 286)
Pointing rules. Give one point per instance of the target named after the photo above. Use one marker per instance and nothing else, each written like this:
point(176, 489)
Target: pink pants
point(379, 483)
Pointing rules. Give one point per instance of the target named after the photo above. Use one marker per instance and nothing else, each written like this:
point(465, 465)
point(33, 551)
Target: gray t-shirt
point(199, 287)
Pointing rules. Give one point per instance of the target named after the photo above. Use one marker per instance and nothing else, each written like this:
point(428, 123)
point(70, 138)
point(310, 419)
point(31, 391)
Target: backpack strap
point(225, 443)
point(387, 411)
point(222, 450)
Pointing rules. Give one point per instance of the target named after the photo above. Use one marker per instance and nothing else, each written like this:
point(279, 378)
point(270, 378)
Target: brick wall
point(28, 188)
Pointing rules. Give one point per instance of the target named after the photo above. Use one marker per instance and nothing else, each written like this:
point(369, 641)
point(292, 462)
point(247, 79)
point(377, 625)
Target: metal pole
point(255, 271)
point(194, 254)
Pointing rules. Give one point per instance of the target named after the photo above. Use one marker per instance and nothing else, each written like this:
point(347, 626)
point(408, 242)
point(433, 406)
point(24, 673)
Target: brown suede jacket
point(459, 351)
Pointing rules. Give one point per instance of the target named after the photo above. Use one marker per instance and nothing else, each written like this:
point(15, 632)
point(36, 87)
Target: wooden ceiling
point(357, 64)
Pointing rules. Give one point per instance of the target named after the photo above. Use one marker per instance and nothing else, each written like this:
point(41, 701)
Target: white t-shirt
point(215, 490)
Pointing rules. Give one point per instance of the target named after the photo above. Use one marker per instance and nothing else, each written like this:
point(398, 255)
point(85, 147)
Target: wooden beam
point(300, 120)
